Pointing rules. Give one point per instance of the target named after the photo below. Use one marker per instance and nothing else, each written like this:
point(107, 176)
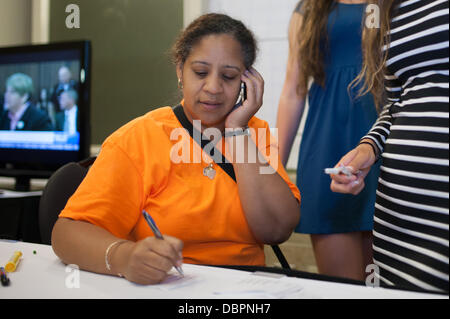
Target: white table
point(40, 274)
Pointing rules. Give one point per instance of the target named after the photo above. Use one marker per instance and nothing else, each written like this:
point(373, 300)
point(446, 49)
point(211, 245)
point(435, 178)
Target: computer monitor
point(44, 108)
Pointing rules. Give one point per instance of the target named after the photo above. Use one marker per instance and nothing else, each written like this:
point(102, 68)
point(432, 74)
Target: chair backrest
point(60, 186)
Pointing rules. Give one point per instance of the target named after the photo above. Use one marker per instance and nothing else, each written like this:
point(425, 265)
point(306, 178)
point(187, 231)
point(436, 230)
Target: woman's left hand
point(240, 116)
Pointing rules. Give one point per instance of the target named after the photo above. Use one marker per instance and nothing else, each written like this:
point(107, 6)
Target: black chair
point(60, 186)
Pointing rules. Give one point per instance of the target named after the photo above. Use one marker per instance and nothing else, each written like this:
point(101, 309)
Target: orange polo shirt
point(135, 171)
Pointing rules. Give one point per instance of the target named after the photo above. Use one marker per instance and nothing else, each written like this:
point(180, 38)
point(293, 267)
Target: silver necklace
point(209, 171)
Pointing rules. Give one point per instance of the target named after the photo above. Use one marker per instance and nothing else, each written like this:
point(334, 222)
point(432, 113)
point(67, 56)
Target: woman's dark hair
point(214, 23)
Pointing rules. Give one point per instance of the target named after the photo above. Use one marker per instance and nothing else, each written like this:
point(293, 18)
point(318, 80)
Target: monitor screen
point(44, 107)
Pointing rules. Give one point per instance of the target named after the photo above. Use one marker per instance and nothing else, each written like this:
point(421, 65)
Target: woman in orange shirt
point(206, 217)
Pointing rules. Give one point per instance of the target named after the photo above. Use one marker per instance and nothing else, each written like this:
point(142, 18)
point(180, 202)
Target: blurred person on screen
point(65, 82)
point(18, 113)
point(66, 120)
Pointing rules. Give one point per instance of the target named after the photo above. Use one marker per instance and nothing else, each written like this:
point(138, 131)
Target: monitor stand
point(23, 178)
point(22, 184)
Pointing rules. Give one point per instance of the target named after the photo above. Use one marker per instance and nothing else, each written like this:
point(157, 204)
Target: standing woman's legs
point(343, 255)
point(367, 239)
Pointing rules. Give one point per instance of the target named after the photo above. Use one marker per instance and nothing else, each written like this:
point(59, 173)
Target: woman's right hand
point(149, 260)
point(360, 159)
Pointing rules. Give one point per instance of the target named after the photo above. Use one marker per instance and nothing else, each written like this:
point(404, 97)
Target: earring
point(180, 84)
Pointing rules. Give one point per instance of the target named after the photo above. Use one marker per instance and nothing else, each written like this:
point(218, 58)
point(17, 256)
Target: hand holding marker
point(158, 234)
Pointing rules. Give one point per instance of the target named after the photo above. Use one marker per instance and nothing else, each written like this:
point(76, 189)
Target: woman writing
point(205, 218)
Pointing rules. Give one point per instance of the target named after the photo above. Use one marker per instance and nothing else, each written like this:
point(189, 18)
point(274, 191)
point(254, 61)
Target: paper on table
point(176, 281)
point(237, 284)
point(253, 286)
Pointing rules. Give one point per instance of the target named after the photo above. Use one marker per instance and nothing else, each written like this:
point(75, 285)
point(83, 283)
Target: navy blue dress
point(334, 125)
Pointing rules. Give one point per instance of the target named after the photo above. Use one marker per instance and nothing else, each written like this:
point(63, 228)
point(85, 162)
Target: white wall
point(269, 20)
point(192, 9)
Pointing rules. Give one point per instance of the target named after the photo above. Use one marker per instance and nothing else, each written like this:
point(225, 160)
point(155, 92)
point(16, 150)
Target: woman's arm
point(82, 243)
point(271, 209)
point(89, 247)
point(292, 102)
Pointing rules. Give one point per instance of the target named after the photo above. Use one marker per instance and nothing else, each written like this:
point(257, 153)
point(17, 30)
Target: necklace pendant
point(209, 171)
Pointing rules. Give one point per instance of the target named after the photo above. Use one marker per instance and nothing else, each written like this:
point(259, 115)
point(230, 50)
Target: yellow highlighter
point(11, 265)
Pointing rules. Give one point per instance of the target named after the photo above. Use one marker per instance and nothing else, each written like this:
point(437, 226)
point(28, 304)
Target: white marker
point(341, 169)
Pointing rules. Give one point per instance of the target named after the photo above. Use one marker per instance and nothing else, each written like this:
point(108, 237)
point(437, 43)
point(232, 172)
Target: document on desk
point(227, 283)
point(57, 280)
point(256, 286)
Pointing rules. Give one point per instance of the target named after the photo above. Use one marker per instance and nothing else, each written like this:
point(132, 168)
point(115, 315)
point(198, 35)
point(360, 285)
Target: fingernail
point(355, 182)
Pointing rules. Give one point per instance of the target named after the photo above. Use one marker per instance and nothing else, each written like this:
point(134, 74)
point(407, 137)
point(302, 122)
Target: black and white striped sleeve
point(381, 129)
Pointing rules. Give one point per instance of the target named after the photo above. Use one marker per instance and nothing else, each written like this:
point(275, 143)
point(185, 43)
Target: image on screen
point(38, 104)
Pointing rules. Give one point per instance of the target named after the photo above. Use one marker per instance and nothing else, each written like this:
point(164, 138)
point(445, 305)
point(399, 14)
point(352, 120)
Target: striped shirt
point(411, 222)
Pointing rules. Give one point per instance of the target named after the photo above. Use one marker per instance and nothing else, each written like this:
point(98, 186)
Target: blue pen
point(157, 233)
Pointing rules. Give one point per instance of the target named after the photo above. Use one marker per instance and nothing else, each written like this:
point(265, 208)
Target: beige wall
point(15, 22)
